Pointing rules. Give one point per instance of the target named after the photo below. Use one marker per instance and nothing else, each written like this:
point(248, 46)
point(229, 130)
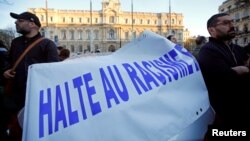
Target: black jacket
point(43, 52)
point(227, 90)
point(3, 62)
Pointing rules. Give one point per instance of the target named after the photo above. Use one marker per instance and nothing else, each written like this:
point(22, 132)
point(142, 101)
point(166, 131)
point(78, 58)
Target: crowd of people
point(224, 66)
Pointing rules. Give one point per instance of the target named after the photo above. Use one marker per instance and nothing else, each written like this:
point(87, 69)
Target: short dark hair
point(64, 53)
point(200, 39)
point(169, 37)
point(60, 47)
point(212, 21)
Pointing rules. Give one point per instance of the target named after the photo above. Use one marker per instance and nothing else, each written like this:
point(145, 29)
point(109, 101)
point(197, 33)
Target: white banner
point(149, 90)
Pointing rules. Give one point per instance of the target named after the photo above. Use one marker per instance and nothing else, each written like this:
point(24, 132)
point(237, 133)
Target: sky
point(195, 12)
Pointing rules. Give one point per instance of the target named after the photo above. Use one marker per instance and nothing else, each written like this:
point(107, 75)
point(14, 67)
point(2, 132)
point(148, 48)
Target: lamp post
point(46, 18)
point(120, 37)
point(132, 19)
point(170, 26)
point(91, 28)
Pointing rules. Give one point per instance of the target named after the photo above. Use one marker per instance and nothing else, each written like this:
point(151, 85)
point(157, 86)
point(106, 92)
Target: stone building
point(240, 11)
point(105, 30)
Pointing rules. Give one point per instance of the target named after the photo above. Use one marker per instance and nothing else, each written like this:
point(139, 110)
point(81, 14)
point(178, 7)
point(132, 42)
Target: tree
point(7, 35)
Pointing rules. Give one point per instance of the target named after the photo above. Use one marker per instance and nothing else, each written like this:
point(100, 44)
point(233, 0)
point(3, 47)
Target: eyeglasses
point(226, 23)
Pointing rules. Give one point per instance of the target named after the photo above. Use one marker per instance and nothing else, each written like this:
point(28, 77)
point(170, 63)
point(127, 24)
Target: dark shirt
point(227, 90)
point(43, 52)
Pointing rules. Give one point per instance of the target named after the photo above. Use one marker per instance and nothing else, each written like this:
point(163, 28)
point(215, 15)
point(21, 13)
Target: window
point(179, 36)
point(80, 20)
point(51, 19)
point(172, 22)
point(51, 34)
point(43, 32)
point(155, 21)
point(148, 21)
point(126, 21)
point(80, 48)
point(245, 28)
point(237, 16)
point(134, 35)
point(72, 20)
point(133, 21)
point(72, 48)
point(96, 35)
point(166, 21)
point(88, 47)
point(141, 21)
point(63, 34)
point(111, 19)
point(111, 34)
point(64, 19)
point(245, 13)
point(88, 34)
point(80, 34)
point(180, 22)
point(72, 35)
point(96, 20)
point(126, 35)
point(42, 18)
point(97, 48)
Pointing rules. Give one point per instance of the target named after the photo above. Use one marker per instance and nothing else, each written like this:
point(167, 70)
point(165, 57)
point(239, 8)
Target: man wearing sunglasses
point(226, 74)
point(28, 25)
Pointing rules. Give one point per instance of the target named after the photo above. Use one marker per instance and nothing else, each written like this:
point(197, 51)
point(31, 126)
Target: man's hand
point(9, 74)
point(241, 69)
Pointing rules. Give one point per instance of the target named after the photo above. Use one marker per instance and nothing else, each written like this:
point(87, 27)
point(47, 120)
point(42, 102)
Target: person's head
point(172, 38)
point(64, 54)
point(200, 40)
point(59, 48)
point(26, 22)
point(221, 26)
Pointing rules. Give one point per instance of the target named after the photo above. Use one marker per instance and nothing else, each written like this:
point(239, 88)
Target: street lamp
point(170, 20)
point(46, 18)
point(120, 37)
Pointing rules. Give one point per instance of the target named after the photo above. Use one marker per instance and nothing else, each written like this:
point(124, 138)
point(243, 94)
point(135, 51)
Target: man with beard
point(45, 51)
point(226, 74)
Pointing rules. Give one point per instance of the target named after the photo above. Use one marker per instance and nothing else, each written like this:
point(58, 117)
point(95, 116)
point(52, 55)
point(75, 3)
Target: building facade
point(105, 30)
point(240, 11)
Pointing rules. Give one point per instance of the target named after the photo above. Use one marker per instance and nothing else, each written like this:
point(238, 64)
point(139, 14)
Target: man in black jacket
point(226, 74)
point(28, 25)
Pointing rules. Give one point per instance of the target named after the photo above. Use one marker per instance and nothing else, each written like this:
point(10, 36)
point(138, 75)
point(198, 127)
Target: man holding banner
point(149, 90)
point(226, 73)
